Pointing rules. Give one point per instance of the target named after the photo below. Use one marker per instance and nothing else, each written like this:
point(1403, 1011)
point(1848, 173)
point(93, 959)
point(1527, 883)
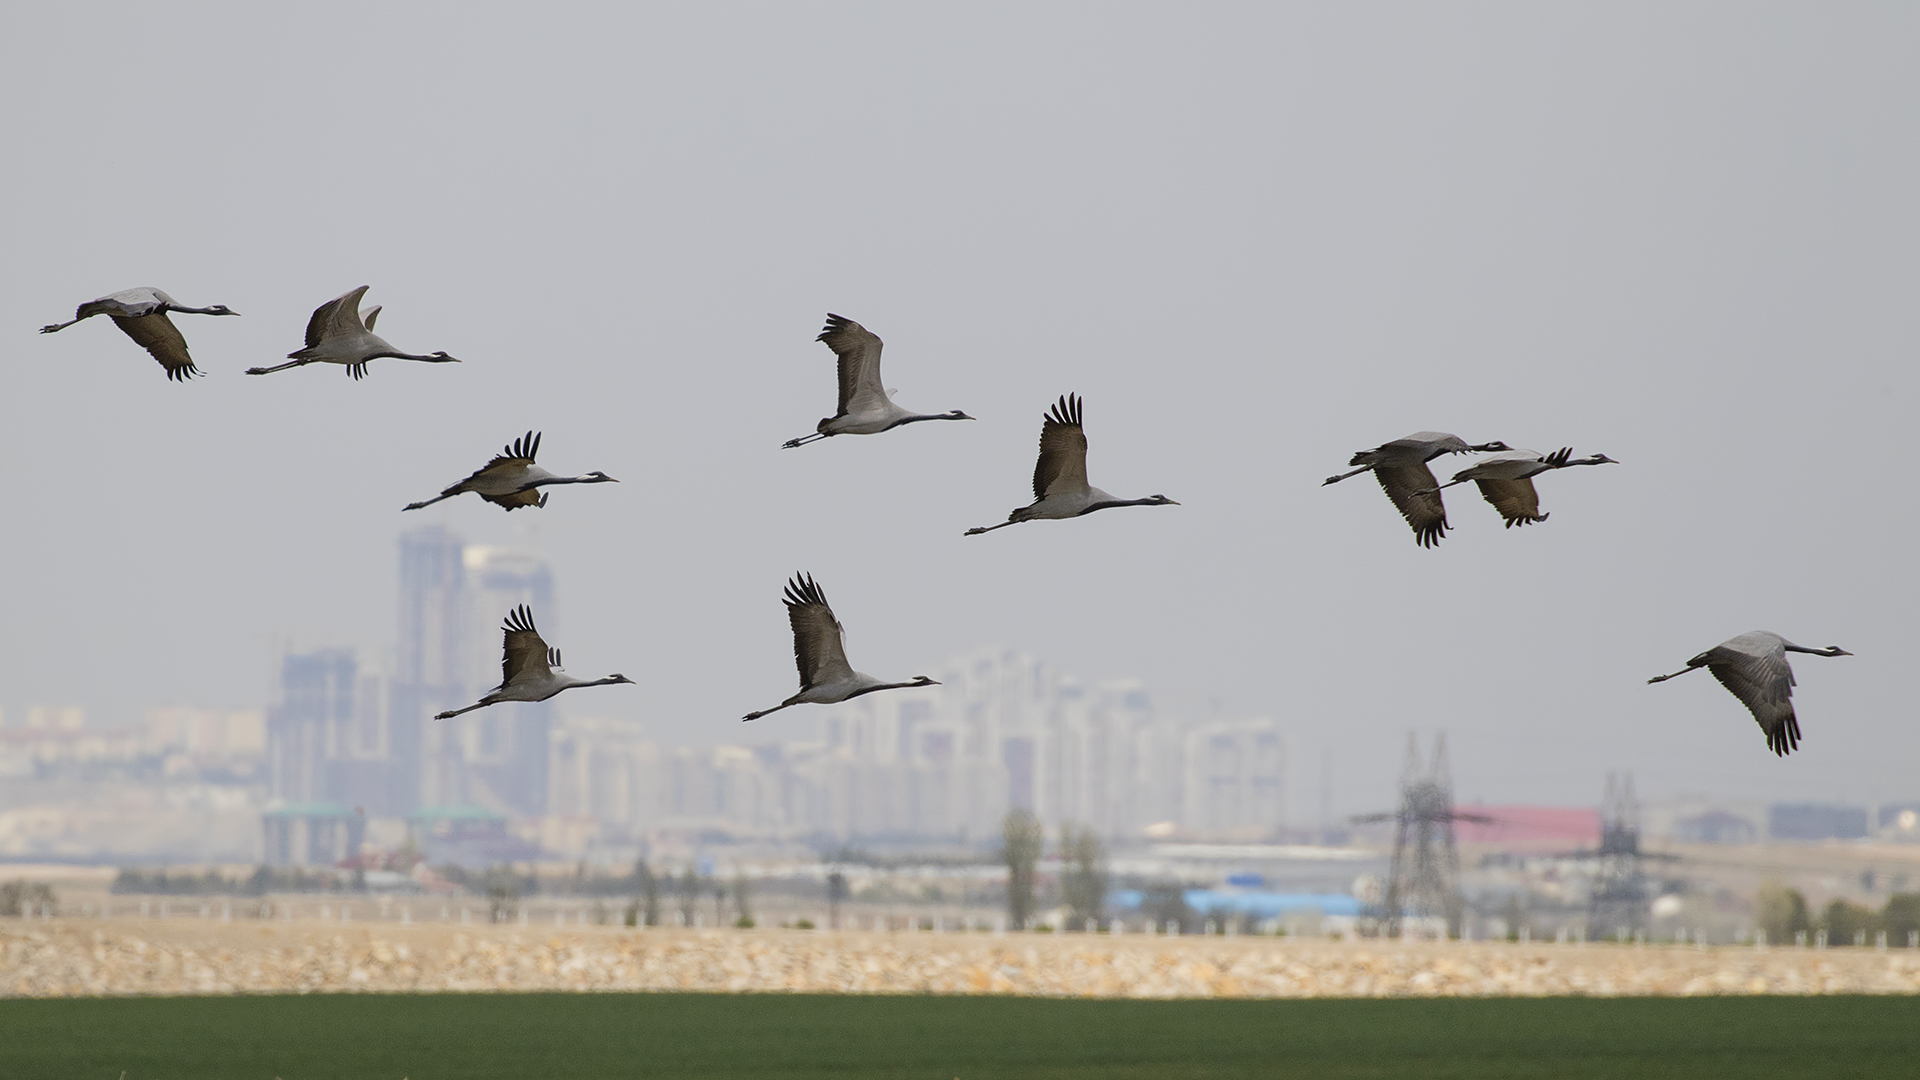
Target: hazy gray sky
point(1256, 238)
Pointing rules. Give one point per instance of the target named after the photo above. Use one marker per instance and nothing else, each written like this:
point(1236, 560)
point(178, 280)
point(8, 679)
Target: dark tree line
point(21, 897)
point(1783, 914)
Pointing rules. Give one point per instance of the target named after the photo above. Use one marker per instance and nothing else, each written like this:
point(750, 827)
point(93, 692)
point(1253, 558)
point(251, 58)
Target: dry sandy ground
point(62, 957)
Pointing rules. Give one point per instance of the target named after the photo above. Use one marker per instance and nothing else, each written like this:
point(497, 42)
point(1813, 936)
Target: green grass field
point(519, 1036)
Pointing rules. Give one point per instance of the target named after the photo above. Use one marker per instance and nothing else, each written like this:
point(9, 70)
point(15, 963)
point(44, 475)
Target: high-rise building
point(326, 741)
point(430, 670)
point(453, 598)
point(1236, 779)
point(317, 697)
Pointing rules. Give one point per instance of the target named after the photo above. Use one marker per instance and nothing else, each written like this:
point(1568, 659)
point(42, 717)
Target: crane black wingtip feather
point(1787, 738)
point(521, 619)
point(835, 324)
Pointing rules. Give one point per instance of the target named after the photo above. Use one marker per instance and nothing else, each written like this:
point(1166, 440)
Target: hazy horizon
point(1255, 238)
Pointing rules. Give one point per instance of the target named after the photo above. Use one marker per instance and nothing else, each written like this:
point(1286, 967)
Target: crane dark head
point(1494, 447)
point(1596, 459)
point(922, 680)
point(958, 415)
point(442, 358)
point(1834, 650)
point(597, 477)
point(219, 309)
point(616, 677)
point(1157, 500)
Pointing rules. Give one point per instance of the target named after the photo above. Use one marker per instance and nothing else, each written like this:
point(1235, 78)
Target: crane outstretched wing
point(130, 303)
point(819, 641)
point(340, 313)
point(156, 333)
point(1516, 500)
point(524, 497)
point(1412, 488)
point(1414, 445)
point(526, 656)
point(1062, 466)
point(859, 351)
point(1761, 678)
point(516, 456)
point(522, 450)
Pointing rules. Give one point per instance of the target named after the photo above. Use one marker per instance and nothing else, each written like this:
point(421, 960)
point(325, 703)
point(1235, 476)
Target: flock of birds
point(1753, 666)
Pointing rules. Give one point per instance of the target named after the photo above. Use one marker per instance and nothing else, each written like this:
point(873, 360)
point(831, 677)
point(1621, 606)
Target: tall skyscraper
point(453, 598)
point(430, 669)
point(317, 696)
point(1236, 779)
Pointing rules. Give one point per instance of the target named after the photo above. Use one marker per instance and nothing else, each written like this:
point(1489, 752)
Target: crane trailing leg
point(277, 367)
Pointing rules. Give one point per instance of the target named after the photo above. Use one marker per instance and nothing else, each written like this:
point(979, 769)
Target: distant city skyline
point(364, 736)
point(943, 764)
point(947, 762)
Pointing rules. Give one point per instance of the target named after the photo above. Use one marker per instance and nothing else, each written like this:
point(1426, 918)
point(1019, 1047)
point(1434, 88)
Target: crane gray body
point(1753, 667)
point(142, 315)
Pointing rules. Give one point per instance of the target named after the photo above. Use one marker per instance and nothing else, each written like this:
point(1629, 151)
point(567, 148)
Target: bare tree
point(21, 897)
point(1781, 912)
point(742, 907)
point(1084, 874)
point(836, 892)
point(689, 894)
point(502, 887)
point(645, 909)
point(1021, 838)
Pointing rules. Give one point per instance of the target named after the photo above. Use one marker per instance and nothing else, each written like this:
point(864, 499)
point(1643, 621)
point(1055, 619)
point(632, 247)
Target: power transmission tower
point(1423, 881)
point(1619, 900)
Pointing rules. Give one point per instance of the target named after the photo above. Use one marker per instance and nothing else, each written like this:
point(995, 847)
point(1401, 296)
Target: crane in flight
point(1060, 488)
point(512, 480)
point(1754, 668)
point(820, 652)
point(1401, 468)
point(142, 315)
point(527, 668)
point(338, 334)
point(1505, 480)
point(866, 407)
